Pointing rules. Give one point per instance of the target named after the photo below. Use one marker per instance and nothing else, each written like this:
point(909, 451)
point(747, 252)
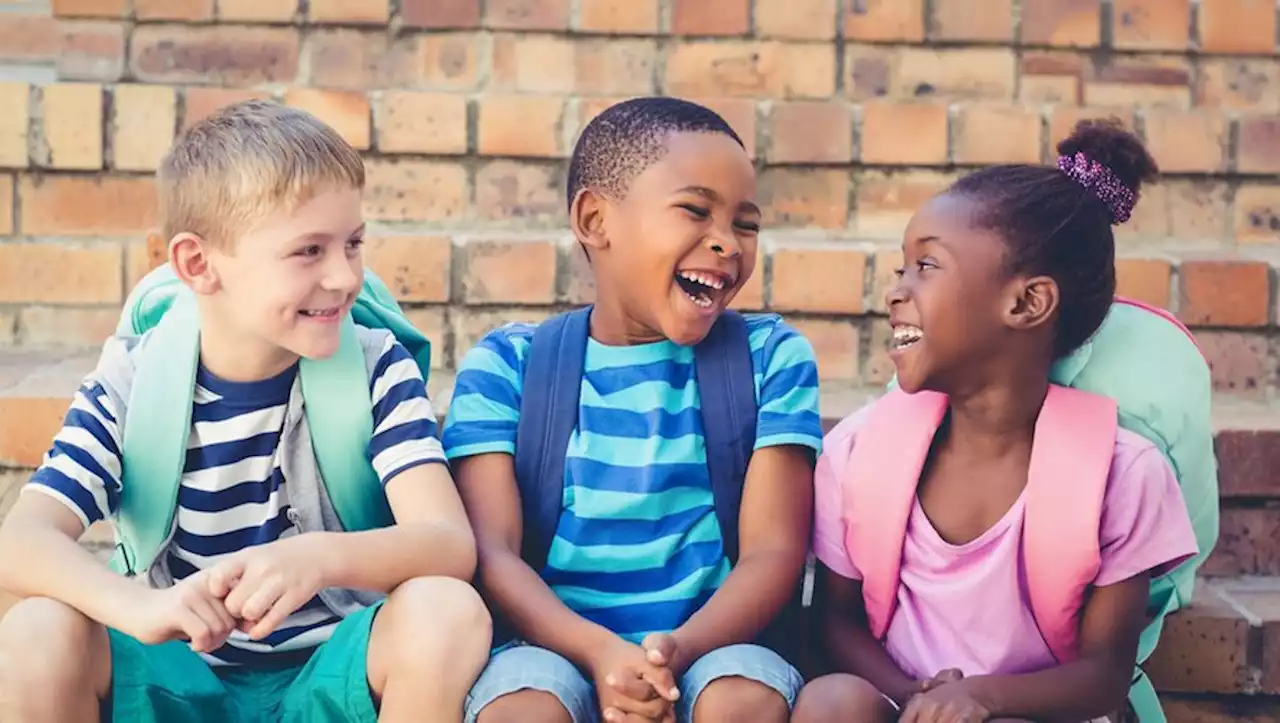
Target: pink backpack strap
point(1158, 312)
point(1075, 439)
point(884, 470)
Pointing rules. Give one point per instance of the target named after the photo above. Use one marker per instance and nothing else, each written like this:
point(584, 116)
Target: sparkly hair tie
point(1103, 182)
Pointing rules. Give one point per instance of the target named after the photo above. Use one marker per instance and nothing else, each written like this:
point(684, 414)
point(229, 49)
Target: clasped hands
point(637, 683)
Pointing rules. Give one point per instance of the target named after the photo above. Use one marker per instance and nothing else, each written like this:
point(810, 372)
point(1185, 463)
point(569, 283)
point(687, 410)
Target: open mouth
point(704, 288)
point(905, 336)
point(329, 313)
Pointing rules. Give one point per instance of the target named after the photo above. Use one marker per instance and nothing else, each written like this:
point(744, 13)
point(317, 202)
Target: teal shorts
point(169, 683)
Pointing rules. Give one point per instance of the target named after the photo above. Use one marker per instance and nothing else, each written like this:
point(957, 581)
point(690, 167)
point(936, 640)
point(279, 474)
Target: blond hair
point(231, 169)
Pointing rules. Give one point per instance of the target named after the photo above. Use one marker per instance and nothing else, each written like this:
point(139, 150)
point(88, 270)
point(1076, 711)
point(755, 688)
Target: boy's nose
point(725, 246)
point(342, 275)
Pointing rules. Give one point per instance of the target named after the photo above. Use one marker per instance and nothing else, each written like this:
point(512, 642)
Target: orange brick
point(751, 296)
point(349, 11)
point(214, 54)
point(805, 197)
point(1071, 23)
point(417, 122)
point(6, 205)
point(824, 280)
point(15, 124)
point(366, 60)
point(623, 67)
point(957, 20)
point(90, 8)
point(1055, 77)
point(534, 63)
point(87, 206)
point(991, 134)
point(146, 117)
point(47, 273)
point(1186, 142)
point(1238, 26)
point(1139, 81)
point(1146, 280)
point(415, 268)
point(699, 17)
point(66, 328)
point(173, 9)
point(739, 113)
point(143, 257)
point(433, 322)
point(513, 125)
point(523, 193)
point(527, 14)
point(884, 266)
point(1063, 121)
point(1259, 148)
point(636, 17)
point(811, 132)
point(1189, 210)
point(415, 191)
point(1225, 293)
point(796, 19)
point(886, 202)
point(440, 13)
point(1257, 214)
point(91, 50)
point(835, 345)
point(1152, 24)
point(580, 287)
point(451, 61)
point(200, 103)
point(884, 20)
point(878, 368)
point(27, 424)
point(751, 69)
point(515, 272)
point(29, 38)
point(470, 325)
point(257, 11)
point(907, 134)
point(1239, 84)
point(874, 72)
point(72, 125)
point(346, 112)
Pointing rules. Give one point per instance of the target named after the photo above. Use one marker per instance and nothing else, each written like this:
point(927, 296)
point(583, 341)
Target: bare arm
point(850, 645)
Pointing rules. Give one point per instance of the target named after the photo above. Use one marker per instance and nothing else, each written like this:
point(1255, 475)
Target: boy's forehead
point(710, 164)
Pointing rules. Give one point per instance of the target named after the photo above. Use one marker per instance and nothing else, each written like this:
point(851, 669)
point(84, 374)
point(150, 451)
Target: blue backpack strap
point(548, 413)
point(726, 385)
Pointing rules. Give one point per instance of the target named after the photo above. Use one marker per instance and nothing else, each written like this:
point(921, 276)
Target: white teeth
point(704, 279)
point(700, 300)
point(904, 336)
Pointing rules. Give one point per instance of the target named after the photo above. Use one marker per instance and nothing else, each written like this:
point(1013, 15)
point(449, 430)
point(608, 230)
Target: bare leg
point(841, 698)
point(55, 664)
point(734, 700)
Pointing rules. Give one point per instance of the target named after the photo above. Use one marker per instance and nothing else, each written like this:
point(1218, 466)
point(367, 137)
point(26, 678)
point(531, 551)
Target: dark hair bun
point(1106, 141)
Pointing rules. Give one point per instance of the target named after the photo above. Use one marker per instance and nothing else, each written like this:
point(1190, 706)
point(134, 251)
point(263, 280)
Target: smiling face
point(670, 256)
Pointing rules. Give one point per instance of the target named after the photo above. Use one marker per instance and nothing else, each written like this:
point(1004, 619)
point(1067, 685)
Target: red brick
point(29, 38)
point(1146, 280)
point(416, 122)
point(751, 69)
point(699, 17)
point(527, 14)
point(805, 197)
point(580, 287)
point(1203, 649)
point(451, 61)
point(66, 328)
point(27, 424)
point(886, 202)
point(904, 134)
point(345, 111)
point(368, 12)
point(1055, 77)
point(1071, 23)
point(824, 280)
point(87, 205)
point(91, 51)
point(990, 134)
point(72, 126)
point(519, 193)
point(835, 344)
point(1248, 544)
point(143, 257)
point(440, 13)
point(200, 103)
point(953, 74)
point(415, 191)
point(1238, 26)
point(1225, 293)
point(434, 323)
point(6, 205)
point(1247, 461)
point(194, 10)
point(146, 117)
point(635, 17)
point(90, 8)
point(258, 11)
point(1237, 362)
point(218, 54)
point(15, 124)
point(1239, 84)
point(515, 272)
point(1187, 142)
point(1259, 150)
point(514, 125)
point(959, 20)
point(1139, 81)
point(740, 114)
point(751, 296)
point(883, 277)
point(46, 273)
point(534, 63)
point(796, 19)
point(415, 268)
point(1180, 210)
point(1152, 24)
point(616, 66)
point(811, 132)
point(1257, 216)
point(884, 20)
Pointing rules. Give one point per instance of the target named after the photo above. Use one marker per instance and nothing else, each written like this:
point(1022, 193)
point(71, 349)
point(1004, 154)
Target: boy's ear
point(587, 216)
point(189, 257)
point(1033, 302)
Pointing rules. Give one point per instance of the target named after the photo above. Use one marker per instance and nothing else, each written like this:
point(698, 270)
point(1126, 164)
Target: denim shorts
point(525, 667)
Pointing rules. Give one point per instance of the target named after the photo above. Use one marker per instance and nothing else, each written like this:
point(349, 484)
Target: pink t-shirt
point(966, 606)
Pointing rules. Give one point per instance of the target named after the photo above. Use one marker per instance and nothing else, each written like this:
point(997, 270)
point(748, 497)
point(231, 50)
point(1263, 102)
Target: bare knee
point(49, 647)
point(841, 697)
point(739, 699)
point(525, 706)
point(434, 626)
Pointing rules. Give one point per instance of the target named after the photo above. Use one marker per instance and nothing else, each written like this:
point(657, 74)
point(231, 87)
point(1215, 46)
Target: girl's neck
point(1000, 415)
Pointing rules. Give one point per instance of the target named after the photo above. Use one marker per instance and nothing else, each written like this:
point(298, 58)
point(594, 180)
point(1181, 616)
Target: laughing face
point(671, 255)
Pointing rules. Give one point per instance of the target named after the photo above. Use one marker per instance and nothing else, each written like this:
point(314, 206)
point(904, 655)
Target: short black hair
point(1056, 226)
point(628, 137)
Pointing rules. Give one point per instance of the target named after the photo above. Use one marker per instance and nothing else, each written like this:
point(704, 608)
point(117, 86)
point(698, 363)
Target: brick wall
point(855, 110)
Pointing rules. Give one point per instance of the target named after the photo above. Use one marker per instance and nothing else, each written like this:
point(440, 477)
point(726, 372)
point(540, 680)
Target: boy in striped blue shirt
point(638, 614)
point(260, 607)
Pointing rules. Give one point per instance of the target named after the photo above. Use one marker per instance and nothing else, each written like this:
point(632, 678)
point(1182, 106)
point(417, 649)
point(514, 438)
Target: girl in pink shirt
point(1007, 271)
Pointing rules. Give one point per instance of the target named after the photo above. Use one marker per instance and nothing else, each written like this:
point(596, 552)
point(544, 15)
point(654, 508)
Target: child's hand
point(185, 611)
point(630, 688)
point(948, 701)
point(661, 649)
point(950, 675)
point(263, 585)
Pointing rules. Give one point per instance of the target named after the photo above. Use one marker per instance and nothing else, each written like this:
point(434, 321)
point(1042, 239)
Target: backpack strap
point(1162, 313)
point(1075, 439)
point(884, 471)
point(726, 385)
point(548, 415)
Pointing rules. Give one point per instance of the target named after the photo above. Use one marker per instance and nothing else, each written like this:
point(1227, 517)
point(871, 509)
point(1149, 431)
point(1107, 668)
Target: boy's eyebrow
point(711, 195)
point(322, 236)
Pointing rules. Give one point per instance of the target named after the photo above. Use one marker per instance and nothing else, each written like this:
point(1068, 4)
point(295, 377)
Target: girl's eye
point(355, 243)
point(748, 226)
point(312, 250)
point(697, 211)
point(899, 272)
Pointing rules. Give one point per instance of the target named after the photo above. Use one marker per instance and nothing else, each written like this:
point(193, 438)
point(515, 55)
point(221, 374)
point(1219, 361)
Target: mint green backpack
point(338, 407)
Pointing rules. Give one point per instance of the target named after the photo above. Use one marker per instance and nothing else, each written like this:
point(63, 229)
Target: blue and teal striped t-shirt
point(638, 546)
